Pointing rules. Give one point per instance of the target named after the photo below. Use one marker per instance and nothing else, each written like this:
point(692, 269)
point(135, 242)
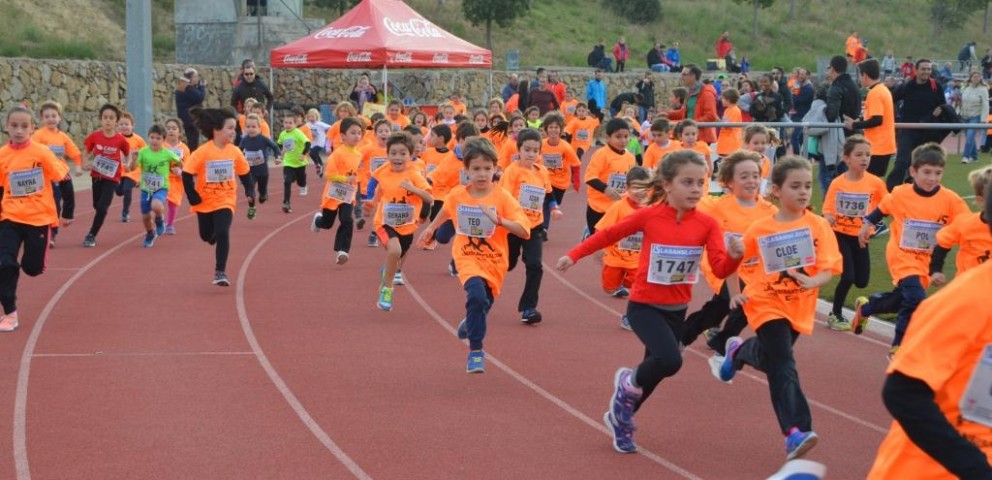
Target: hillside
point(554, 32)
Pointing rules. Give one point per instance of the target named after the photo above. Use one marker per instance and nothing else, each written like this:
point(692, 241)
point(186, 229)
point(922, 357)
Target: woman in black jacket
point(768, 105)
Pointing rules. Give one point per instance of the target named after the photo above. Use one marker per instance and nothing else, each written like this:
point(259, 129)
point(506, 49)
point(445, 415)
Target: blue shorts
point(147, 197)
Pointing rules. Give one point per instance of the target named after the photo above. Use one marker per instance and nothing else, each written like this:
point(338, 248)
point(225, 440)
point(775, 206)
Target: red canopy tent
point(381, 33)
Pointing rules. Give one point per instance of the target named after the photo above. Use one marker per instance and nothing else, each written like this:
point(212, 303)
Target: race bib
point(178, 152)
point(531, 197)
point(255, 157)
point(58, 150)
point(728, 236)
point(289, 144)
point(787, 250)
point(919, 235)
point(552, 161)
point(618, 182)
point(106, 167)
point(854, 205)
point(377, 162)
point(151, 181)
point(220, 171)
point(473, 223)
point(463, 177)
point(27, 182)
point(674, 265)
point(632, 242)
point(976, 403)
point(582, 135)
point(430, 168)
point(570, 109)
point(342, 192)
point(397, 214)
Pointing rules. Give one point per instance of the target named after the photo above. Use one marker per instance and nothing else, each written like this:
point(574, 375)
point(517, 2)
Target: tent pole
point(490, 96)
point(272, 88)
point(385, 85)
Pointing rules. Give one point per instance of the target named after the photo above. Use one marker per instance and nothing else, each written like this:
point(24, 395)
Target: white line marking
point(703, 355)
point(141, 354)
point(544, 393)
point(280, 384)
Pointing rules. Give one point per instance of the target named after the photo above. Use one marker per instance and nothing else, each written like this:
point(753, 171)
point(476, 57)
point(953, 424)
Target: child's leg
point(735, 324)
point(342, 239)
point(67, 193)
point(445, 232)
point(514, 244)
point(127, 191)
point(301, 177)
point(170, 217)
point(262, 181)
point(205, 222)
point(145, 202)
point(393, 253)
point(222, 220)
point(103, 194)
point(11, 239)
point(57, 193)
point(912, 294)
point(158, 209)
point(532, 254)
point(847, 250)
point(612, 278)
point(326, 219)
point(771, 352)
point(479, 299)
point(659, 331)
point(288, 177)
point(628, 277)
point(592, 218)
point(546, 208)
point(709, 316)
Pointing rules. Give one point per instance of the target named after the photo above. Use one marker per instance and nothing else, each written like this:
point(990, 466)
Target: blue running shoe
point(727, 368)
point(149, 239)
point(623, 400)
point(625, 323)
point(159, 227)
point(530, 316)
point(623, 438)
point(798, 443)
point(463, 329)
point(476, 362)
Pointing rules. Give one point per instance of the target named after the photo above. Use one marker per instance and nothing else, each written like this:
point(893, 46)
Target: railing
point(898, 126)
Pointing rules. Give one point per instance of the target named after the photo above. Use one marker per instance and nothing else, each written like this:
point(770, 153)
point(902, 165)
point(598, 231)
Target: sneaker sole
point(728, 353)
point(382, 307)
point(222, 283)
point(860, 321)
point(803, 448)
point(342, 259)
point(609, 428)
point(613, 395)
point(475, 370)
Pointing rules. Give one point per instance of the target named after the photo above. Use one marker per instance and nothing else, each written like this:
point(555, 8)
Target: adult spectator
point(246, 63)
point(654, 59)
point(542, 97)
point(987, 65)
point(362, 92)
point(723, 45)
point(966, 56)
point(782, 86)
point(879, 118)
point(190, 93)
point(251, 87)
point(511, 87)
point(626, 98)
point(974, 109)
point(674, 57)
point(945, 74)
point(557, 86)
point(919, 99)
point(621, 52)
point(767, 105)
point(537, 74)
point(597, 57)
point(802, 99)
point(645, 87)
point(844, 97)
point(730, 62)
point(700, 104)
point(596, 94)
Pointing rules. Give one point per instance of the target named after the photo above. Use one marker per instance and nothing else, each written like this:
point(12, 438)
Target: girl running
point(676, 236)
point(485, 215)
point(294, 149)
point(620, 259)
point(688, 137)
point(342, 111)
point(130, 178)
point(580, 129)
point(342, 185)
point(373, 157)
point(174, 142)
point(757, 139)
point(257, 149)
point(63, 147)
point(105, 154)
point(156, 165)
point(509, 131)
point(27, 210)
point(319, 145)
point(562, 163)
point(208, 179)
point(796, 253)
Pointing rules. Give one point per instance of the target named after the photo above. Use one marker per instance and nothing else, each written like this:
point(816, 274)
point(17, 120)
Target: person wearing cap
point(190, 92)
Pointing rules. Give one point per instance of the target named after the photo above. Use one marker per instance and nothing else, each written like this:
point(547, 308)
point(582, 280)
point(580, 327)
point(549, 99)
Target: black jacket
point(843, 98)
point(596, 56)
point(767, 107)
point(186, 99)
point(916, 101)
point(646, 90)
point(256, 89)
point(654, 57)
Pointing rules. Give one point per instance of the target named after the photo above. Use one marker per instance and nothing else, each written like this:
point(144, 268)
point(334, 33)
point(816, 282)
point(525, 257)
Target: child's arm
point(866, 224)
point(604, 238)
point(428, 233)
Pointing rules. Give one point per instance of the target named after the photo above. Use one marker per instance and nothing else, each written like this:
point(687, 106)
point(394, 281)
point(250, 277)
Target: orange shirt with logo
point(615, 256)
point(484, 257)
point(343, 162)
point(389, 191)
point(972, 234)
point(852, 197)
point(222, 192)
point(373, 157)
point(175, 195)
point(399, 123)
point(59, 143)
point(136, 143)
point(730, 139)
point(561, 156)
point(568, 109)
point(655, 153)
point(944, 344)
point(432, 159)
point(582, 131)
point(734, 219)
point(883, 137)
point(508, 154)
point(535, 178)
point(606, 162)
point(26, 175)
point(773, 296)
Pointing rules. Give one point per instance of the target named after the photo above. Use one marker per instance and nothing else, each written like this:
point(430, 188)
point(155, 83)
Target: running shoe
point(620, 292)
point(385, 298)
point(149, 239)
point(125, 218)
point(220, 279)
point(892, 352)
point(360, 223)
point(623, 438)
point(303, 191)
point(159, 227)
point(727, 368)
point(8, 323)
point(860, 321)
point(342, 258)
point(880, 229)
point(320, 170)
point(431, 245)
point(373, 240)
point(398, 278)
point(463, 329)
point(90, 241)
point(313, 225)
point(287, 208)
point(51, 243)
point(476, 362)
point(624, 398)
point(544, 235)
point(798, 443)
point(263, 197)
point(170, 230)
point(530, 316)
point(710, 335)
point(251, 213)
point(452, 270)
point(836, 322)
point(625, 323)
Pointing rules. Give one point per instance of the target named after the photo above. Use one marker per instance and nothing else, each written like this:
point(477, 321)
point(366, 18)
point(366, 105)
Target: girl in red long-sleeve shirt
point(674, 237)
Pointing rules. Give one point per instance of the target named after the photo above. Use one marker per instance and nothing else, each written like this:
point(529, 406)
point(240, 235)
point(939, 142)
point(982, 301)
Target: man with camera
point(190, 92)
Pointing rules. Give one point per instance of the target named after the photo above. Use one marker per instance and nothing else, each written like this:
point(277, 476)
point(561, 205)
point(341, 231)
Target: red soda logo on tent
point(415, 27)
point(476, 59)
point(359, 57)
point(403, 57)
point(349, 32)
point(300, 59)
point(440, 58)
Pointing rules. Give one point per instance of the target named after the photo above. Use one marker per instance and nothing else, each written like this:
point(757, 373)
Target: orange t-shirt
point(912, 256)
point(399, 123)
point(734, 219)
point(772, 244)
point(654, 153)
point(373, 157)
point(26, 174)
point(432, 159)
point(136, 143)
point(343, 162)
point(305, 129)
point(175, 195)
point(392, 196)
point(731, 139)
point(513, 103)
point(568, 109)
point(482, 256)
point(447, 176)
point(582, 131)
point(264, 126)
point(882, 137)
point(625, 253)
point(559, 160)
point(508, 154)
point(498, 139)
point(603, 165)
point(850, 200)
point(944, 344)
point(526, 185)
point(59, 143)
point(217, 171)
point(459, 107)
point(972, 234)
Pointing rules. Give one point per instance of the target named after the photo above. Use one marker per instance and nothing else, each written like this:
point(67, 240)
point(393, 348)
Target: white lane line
point(141, 354)
point(277, 380)
point(703, 355)
point(544, 393)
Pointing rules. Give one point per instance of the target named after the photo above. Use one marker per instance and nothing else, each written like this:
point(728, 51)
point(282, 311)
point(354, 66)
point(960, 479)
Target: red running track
point(129, 364)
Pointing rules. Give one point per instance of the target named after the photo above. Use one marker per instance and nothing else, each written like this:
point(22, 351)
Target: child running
point(318, 147)
point(156, 164)
point(448, 175)
point(796, 253)
point(485, 215)
point(564, 166)
point(27, 209)
point(675, 235)
point(606, 174)
point(849, 198)
point(918, 211)
point(529, 183)
point(373, 157)
point(729, 140)
point(342, 185)
point(208, 179)
point(295, 146)
point(688, 137)
point(620, 260)
point(63, 147)
point(757, 138)
point(661, 144)
point(581, 128)
point(256, 148)
point(968, 231)
point(402, 201)
point(130, 178)
point(173, 142)
point(106, 152)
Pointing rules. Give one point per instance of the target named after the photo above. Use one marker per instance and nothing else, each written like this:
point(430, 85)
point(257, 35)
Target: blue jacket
point(596, 92)
point(508, 91)
point(673, 56)
point(187, 99)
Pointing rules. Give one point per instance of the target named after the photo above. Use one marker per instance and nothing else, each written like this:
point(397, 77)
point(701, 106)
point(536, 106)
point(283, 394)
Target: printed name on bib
point(632, 242)
point(151, 181)
point(787, 250)
point(105, 166)
point(531, 197)
point(220, 171)
point(472, 222)
point(397, 214)
point(976, 403)
point(342, 192)
point(617, 181)
point(919, 235)
point(27, 182)
point(377, 162)
point(58, 150)
point(674, 265)
point(254, 157)
point(854, 205)
point(552, 161)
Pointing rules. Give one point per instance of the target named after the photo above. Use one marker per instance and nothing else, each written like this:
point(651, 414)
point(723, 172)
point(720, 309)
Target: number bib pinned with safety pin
point(254, 157)
point(674, 265)
point(472, 222)
point(787, 250)
point(618, 182)
point(151, 181)
point(106, 167)
point(342, 192)
point(632, 243)
point(397, 214)
point(919, 235)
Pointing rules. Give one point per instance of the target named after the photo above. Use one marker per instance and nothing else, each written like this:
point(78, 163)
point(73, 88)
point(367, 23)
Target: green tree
point(635, 11)
point(947, 14)
point(758, 5)
point(487, 12)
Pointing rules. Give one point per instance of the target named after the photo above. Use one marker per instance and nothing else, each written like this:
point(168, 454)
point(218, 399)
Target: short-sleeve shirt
point(156, 168)
point(26, 175)
point(107, 150)
point(848, 201)
point(388, 183)
point(293, 143)
point(216, 170)
point(972, 234)
point(524, 183)
point(342, 163)
point(622, 254)
point(604, 163)
point(734, 219)
point(559, 159)
point(883, 137)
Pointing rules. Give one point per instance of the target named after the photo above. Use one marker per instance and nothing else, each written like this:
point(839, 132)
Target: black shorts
point(386, 232)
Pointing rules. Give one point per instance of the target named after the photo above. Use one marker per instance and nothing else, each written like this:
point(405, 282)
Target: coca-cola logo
point(349, 32)
point(403, 57)
point(440, 58)
point(359, 57)
point(299, 59)
point(476, 59)
point(415, 27)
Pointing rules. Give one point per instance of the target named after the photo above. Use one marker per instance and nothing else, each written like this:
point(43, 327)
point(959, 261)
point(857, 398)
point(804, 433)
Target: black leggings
point(215, 228)
point(35, 241)
point(878, 165)
point(710, 316)
point(532, 250)
point(857, 269)
point(290, 175)
point(592, 218)
point(103, 194)
point(260, 175)
point(342, 239)
point(659, 330)
point(125, 189)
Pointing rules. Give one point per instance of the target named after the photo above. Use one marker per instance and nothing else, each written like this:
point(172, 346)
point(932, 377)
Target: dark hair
point(638, 98)
point(683, 124)
point(465, 130)
point(413, 130)
point(668, 169)
point(870, 68)
point(838, 63)
point(660, 125)
point(731, 95)
point(854, 141)
point(922, 60)
point(785, 165)
point(442, 131)
point(728, 165)
point(616, 124)
point(157, 129)
point(929, 153)
point(553, 118)
point(528, 134)
point(112, 108)
point(988, 201)
point(821, 92)
point(208, 120)
point(379, 123)
point(19, 109)
point(400, 138)
point(693, 69)
point(348, 122)
point(479, 147)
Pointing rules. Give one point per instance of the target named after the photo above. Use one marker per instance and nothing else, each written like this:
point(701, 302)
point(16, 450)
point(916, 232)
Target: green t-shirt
point(155, 168)
point(634, 146)
point(292, 143)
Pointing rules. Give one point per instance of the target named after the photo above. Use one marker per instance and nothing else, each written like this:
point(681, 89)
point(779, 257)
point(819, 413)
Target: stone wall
point(83, 86)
